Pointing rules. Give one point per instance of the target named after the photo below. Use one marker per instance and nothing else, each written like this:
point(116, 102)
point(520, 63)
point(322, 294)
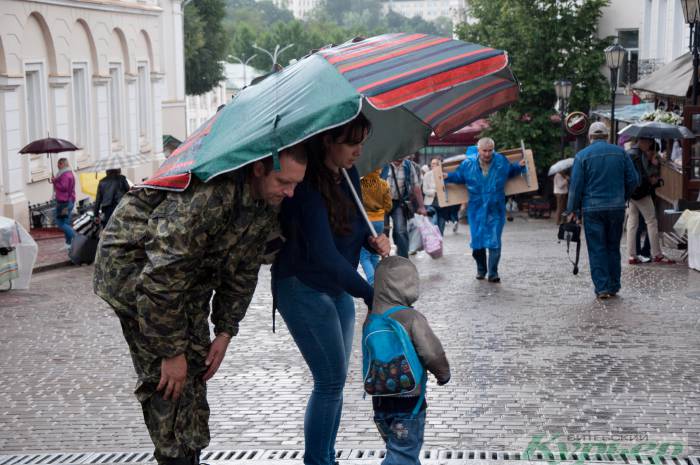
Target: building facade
point(107, 75)
point(429, 10)
point(301, 9)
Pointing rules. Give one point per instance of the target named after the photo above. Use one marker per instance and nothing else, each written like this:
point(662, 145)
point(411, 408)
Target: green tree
point(546, 40)
point(205, 45)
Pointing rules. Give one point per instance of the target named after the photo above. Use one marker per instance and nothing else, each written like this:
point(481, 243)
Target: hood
point(395, 283)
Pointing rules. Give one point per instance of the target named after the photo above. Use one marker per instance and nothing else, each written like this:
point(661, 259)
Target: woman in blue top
point(315, 276)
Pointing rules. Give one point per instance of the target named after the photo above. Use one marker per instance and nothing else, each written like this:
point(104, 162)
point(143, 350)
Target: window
point(35, 103)
point(36, 110)
point(115, 102)
point(144, 102)
point(80, 105)
point(629, 73)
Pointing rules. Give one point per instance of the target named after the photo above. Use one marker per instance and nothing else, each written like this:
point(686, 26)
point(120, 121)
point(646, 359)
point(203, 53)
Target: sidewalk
point(52, 253)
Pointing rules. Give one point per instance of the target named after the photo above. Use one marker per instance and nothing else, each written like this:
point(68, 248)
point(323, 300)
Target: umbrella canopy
point(657, 130)
point(49, 145)
point(119, 161)
point(560, 166)
point(89, 183)
point(407, 85)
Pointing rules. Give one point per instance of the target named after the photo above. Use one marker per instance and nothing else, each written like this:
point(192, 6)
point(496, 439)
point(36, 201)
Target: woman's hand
point(380, 244)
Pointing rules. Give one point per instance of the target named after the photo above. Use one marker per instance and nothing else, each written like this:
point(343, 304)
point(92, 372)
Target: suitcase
point(83, 249)
point(85, 224)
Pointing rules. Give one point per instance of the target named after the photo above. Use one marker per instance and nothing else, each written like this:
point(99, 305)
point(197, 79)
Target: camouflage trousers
point(178, 429)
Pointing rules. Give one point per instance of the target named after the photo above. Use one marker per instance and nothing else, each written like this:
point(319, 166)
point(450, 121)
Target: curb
point(51, 266)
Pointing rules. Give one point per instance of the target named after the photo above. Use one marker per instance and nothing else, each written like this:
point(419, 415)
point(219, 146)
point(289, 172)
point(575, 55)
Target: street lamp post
point(691, 12)
point(614, 56)
point(273, 56)
point(562, 89)
point(244, 63)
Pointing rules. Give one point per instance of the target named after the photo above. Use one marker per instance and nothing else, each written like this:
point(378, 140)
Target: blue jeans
point(369, 259)
point(399, 225)
point(494, 257)
point(437, 218)
point(603, 233)
point(402, 435)
point(63, 219)
point(322, 326)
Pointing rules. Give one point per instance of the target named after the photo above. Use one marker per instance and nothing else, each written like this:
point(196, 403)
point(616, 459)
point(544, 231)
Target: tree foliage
point(205, 45)
point(546, 40)
point(261, 23)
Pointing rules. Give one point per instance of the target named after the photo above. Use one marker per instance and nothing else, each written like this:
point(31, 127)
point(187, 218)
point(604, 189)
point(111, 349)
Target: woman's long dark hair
point(339, 206)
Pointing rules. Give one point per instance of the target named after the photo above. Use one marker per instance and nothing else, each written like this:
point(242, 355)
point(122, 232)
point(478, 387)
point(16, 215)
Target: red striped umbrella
point(445, 83)
point(407, 85)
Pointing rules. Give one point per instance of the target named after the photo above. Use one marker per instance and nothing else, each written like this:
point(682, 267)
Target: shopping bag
point(430, 236)
point(415, 243)
point(83, 249)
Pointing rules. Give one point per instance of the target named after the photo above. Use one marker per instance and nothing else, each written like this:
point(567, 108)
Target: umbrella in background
point(48, 146)
point(560, 166)
point(407, 85)
point(119, 161)
point(657, 130)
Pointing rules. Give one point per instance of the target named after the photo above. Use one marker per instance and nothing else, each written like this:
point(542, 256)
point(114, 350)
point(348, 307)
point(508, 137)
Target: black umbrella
point(48, 146)
point(657, 130)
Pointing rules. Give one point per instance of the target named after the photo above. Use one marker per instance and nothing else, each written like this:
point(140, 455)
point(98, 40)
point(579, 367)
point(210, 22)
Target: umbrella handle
point(358, 202)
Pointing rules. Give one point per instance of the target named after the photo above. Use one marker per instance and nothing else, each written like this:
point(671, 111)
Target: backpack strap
point(421, 399)
point(393, 310)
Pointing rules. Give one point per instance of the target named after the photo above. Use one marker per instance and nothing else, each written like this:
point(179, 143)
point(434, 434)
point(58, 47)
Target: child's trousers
point(403, 436)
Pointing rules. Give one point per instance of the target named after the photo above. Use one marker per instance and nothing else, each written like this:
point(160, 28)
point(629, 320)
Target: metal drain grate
point(441, 456)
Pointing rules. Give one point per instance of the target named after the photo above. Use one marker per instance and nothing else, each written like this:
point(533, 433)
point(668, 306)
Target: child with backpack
point(398, 347)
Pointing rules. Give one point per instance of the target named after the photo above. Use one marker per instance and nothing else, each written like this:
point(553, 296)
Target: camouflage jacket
point(164, 254)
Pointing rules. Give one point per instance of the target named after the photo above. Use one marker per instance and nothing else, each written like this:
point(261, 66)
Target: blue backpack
point(390, 364)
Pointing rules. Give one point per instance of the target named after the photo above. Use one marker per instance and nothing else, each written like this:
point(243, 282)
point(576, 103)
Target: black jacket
point(110, 191)
point(645, 186)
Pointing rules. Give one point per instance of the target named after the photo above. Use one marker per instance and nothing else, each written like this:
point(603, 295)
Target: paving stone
point(536, 354)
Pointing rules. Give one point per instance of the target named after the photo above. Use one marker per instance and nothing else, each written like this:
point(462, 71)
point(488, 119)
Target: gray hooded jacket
point(396, 283)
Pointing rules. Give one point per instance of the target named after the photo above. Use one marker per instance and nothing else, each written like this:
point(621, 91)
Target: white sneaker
point(643, 259)
point(455, 227)
point(66, 246)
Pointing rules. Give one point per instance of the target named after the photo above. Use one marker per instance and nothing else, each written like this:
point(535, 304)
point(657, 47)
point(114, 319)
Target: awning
point(672, 80)
point(628, 113)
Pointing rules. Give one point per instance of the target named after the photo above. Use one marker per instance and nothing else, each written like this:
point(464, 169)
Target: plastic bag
point(415, 242)
point(430, 235)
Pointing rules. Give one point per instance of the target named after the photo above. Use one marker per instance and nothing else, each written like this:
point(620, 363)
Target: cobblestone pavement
point(536, 354)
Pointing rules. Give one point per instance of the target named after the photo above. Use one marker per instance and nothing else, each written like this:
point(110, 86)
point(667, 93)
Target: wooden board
point(456, 194)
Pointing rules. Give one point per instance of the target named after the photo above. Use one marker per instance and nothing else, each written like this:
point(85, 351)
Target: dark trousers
point(399, 230)
point(494, 256)
point(603, 234)
point(643, 249)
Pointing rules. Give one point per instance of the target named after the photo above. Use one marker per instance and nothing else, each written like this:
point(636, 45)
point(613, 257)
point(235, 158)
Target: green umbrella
point(407, 85)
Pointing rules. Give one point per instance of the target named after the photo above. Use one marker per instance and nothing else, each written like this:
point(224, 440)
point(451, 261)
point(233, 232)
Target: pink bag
point(430, 234)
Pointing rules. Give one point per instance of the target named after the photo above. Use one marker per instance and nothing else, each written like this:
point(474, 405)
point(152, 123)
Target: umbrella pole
point(359, 203)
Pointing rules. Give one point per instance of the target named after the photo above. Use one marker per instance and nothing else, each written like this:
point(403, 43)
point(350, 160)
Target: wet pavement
point(533, 357)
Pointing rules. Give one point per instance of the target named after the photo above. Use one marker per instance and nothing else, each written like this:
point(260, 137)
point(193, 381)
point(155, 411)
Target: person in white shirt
point(561, 192)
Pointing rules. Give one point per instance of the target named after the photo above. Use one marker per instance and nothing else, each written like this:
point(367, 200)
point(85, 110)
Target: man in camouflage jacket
point(159, 262)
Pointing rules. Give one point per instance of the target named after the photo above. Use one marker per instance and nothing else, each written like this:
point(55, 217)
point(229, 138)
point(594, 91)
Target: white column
point(15, 204)
point(103, 145)
point(179, 46)
point(132, 123)
point(157, 81)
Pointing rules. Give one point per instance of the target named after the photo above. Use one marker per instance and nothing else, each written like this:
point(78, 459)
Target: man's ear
point(258, 169)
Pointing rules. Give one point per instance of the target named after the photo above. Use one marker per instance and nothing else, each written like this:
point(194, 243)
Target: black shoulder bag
point(405, 204)
point(571, 232)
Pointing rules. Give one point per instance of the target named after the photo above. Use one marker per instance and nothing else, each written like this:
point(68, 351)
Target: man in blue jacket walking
point(602, 180)
point(485, 174)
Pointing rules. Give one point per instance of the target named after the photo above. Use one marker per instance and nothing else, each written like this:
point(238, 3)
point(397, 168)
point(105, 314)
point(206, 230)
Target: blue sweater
point(313, 253)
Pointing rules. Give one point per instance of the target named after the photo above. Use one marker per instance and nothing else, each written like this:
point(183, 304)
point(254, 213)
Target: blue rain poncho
point(487, 198)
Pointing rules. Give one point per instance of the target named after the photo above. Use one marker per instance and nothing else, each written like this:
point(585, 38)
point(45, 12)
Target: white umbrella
point(657, 130)
point(561, 165)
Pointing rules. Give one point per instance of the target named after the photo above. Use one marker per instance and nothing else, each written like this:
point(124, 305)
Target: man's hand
point(422, 211)
point(380, 244)
point(522, 162)
point(217, 351)
point(570, 217)
point(173, 372)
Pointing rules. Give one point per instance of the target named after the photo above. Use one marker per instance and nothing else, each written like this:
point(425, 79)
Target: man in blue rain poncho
point(485, 173)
